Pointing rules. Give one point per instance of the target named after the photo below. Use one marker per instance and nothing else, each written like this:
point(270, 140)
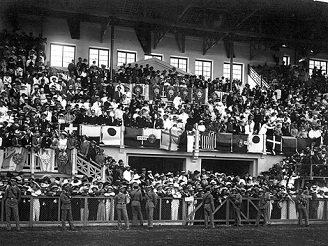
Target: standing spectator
point(66, 207)
point(236, 199)
point(208, 203)
point(264, 204)
point(136, 200)
point(120, 203)
point(12, 197)
point(151, 203)
point(301, 205)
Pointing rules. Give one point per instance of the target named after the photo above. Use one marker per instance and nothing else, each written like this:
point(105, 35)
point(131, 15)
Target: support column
point(111, 60)
point(231, 62)
point(73, 157)
point(32, 159)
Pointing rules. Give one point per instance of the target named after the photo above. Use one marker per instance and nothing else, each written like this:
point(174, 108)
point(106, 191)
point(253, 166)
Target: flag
point(255, 143)
point(170, 139)
point(153, 137)
point(289, 145)
point(92, 132)
point(155, 92)
point(224, 141)
point(111, 135)
point(199, 95)
point(239, 143)
point(16, 159)
point(170, 92)
point(185, 93)
point(131, 136)
point(273, 144)
point(208, 140)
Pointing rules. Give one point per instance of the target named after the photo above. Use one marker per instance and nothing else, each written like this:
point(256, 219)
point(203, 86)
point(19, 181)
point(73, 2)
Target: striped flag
point(208, 140)
point(289, 145)
point(224, 142)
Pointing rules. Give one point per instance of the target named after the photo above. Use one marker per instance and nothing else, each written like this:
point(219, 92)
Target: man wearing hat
point(120, 200)
point(12, 197)
point(236, 200)
point(302, 202)
point(264, 204)
point(151, 202)
point(208, 203)
point(66, 207)
point(136, 199)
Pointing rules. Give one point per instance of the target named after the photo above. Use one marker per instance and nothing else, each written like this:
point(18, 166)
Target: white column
point(2, 156)
point(33, 160)
point(73, 157)
point(196, 151)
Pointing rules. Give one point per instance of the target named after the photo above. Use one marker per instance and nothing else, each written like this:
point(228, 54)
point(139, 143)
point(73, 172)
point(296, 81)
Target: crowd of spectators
point(37, 102)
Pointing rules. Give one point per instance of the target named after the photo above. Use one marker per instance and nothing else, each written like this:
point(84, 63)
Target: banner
point(111, 135)
point(289, 145)
point(15, 160)
point(171, 92)
point(255, 143)
point(224, 142)
point(170, 139)
point(273, 144)
point(92, 132)
point(185, 93)
point(239, 143)
point(138, 90)
point(131, 136)
point(208, 140)
point(199, 95)
point(155, 92)
point(153, 137)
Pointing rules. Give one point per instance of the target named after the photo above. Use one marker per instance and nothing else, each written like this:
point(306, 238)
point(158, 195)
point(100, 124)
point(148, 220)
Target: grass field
point(169, 235)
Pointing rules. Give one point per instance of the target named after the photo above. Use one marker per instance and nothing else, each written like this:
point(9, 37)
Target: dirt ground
point(169, 235)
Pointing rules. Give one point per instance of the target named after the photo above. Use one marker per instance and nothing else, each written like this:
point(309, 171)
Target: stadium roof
point(296, 23)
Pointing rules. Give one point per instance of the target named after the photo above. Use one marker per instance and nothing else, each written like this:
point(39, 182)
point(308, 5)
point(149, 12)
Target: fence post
point(228, 212)
point(288, 209)
point(85, 212)
point(103, 173)
point(160, 209)
point(31, 211)
point(184, 212)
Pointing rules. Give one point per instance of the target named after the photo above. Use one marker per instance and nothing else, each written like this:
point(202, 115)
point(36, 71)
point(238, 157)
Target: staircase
point(257, 78)
point(89, 168)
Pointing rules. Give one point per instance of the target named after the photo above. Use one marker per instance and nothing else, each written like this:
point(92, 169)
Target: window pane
point(69, 55)
point(56, 58)
point(237, 71)
point(103, 57)
point(174, 62)
point(148, 57)
point(121, 58)
point(93, 56)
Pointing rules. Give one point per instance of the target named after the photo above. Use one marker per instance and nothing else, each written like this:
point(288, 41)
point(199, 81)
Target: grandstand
point(229, 88)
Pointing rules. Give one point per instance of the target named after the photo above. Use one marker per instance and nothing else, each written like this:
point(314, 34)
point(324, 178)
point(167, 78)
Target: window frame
point(99, 49)
point(314, 65)
point(62, 55)
point(235, 64)
point(126, 52)
point(180, 58)
point(211, 67)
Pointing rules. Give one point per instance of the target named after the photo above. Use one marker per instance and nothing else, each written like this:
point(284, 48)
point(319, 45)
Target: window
point(100, 56)
point(237, 71)
point(203, 68)
point(125, 57)
point(61, 55)
point(286, 60)
point(179, 62)
point(317, 64)
point(159, 57)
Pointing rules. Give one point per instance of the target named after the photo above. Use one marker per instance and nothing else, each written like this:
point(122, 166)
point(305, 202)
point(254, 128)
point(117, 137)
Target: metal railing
point(87, 210)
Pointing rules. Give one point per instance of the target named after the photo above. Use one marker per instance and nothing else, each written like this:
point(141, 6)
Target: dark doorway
point(156, 164)
point(230, 167)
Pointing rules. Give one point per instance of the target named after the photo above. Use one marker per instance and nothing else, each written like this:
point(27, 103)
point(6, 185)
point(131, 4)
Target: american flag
point(208, 140)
